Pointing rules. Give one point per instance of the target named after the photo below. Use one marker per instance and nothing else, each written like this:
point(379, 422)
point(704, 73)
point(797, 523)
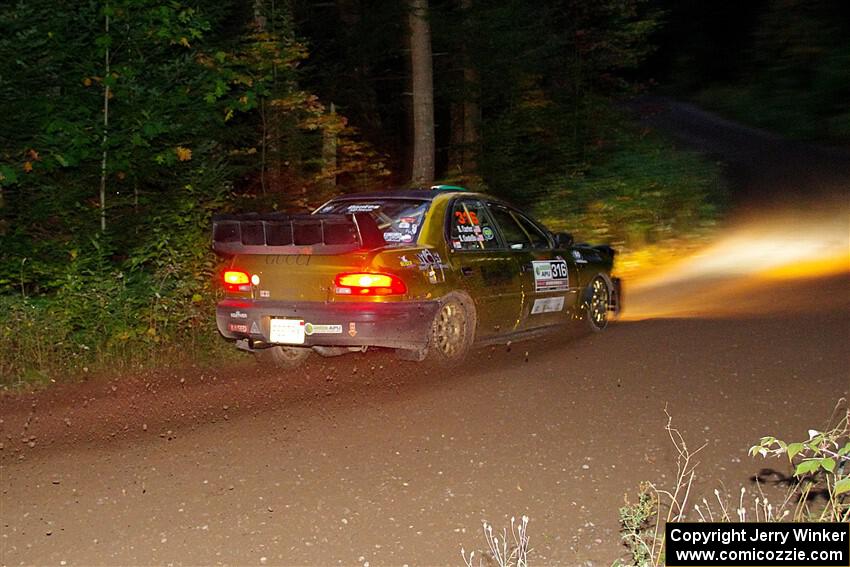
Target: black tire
point(452, 331)
point(283, 356)
point(597, 300)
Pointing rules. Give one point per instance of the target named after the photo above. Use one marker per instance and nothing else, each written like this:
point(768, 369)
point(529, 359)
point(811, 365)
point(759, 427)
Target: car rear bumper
point(395, 325)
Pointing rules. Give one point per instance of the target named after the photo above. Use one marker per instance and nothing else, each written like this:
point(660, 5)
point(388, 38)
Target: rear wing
point(277, 233)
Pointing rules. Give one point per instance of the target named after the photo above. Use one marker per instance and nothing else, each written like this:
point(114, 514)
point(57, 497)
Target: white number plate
point(287, 331)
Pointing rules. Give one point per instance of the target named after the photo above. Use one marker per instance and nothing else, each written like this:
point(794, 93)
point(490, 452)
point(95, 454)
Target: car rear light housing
point(369, 284)
point(236, 280)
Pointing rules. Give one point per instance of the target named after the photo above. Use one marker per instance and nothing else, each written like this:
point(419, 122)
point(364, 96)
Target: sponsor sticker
point(362, 208)
point(238, 315)
point(578, 257)
point(488, 233)
point(431, 263)
point(236, 328)
point(313, 329)
point(404, 262)
point(550, 275)
point(352, 329)
point(547, 305)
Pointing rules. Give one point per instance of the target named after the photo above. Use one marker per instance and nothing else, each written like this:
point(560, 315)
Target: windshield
point(399, 220)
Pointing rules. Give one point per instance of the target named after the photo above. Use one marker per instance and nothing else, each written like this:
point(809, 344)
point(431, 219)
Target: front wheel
point(598, 299)
point(283, 356)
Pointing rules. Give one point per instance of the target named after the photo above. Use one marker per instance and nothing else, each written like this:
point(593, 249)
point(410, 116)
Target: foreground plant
point(822, 466)
point(503, 552)
point(821, 469)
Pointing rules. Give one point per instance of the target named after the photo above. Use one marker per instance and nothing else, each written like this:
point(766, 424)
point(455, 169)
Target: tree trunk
point(103, 162)
point(471, 118)
point(423, 93)
point(465, 113)
point(329, 154)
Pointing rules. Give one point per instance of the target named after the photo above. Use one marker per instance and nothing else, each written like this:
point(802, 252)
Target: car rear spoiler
point(277, 233)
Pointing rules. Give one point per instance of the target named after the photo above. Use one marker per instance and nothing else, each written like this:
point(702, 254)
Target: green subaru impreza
point(430, 273)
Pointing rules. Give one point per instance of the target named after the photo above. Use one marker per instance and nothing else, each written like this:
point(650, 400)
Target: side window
point(470, 227)
point(515, 237)
point(539, 239)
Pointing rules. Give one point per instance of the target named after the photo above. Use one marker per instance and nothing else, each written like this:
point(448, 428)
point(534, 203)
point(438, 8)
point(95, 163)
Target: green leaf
point(806, 467)
point(828, 464)
point(793, 449)
point(8, 175)
point(844, 450)
point(841, 486)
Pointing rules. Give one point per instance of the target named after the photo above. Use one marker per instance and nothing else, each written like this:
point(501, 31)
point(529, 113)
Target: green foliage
point(202, 105)
point(547, 83)
point(637, 526)
point(821, 460)
point(637, 190)
point(796, 74)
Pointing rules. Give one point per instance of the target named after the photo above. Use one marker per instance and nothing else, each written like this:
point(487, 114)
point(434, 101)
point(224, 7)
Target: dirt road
point(362, 459)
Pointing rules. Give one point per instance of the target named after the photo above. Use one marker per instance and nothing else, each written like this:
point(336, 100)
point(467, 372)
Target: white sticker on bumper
point(547, 305)
point(287, 331)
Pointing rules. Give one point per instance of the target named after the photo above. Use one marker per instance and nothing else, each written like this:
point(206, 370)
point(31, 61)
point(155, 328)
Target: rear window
point(399, 220)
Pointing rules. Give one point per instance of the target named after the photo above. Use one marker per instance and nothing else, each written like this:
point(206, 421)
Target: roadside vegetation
point(818, 490)
point(127, 124)
point(782, 65)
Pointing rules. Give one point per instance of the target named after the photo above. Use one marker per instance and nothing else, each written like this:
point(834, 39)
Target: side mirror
point(563, 240)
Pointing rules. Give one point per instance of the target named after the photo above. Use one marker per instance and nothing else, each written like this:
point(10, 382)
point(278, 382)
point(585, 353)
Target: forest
point(128, 123)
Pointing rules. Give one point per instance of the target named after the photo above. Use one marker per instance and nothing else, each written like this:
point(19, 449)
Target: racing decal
point(392, 236)
point(488, 233)
point(238, 315)
point(547, 305)
point(311, 329)
point(470, 237)
point(550, 275)
point(362, 208)
point(406, 237)
point(404, 262)
point(352, 329)
point(431, 263)
point(466, 218)
point(578, 257)
point(289, 259)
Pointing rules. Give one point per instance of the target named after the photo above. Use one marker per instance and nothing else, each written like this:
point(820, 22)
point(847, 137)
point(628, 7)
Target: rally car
point(429, 273)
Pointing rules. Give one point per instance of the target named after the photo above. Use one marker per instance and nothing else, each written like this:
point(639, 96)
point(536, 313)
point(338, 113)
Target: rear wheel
point(283, 356)
point(452, 331)
point(598, 298)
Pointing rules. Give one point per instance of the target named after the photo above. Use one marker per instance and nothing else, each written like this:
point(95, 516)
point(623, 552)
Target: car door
point(548, 278)
point(488, 271)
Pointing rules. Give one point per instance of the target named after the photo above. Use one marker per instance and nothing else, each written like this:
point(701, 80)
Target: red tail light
point(369, 284)
point(235, 280)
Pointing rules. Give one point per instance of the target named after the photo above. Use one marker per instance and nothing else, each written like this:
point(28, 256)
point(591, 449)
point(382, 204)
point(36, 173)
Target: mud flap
point(615, 303)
